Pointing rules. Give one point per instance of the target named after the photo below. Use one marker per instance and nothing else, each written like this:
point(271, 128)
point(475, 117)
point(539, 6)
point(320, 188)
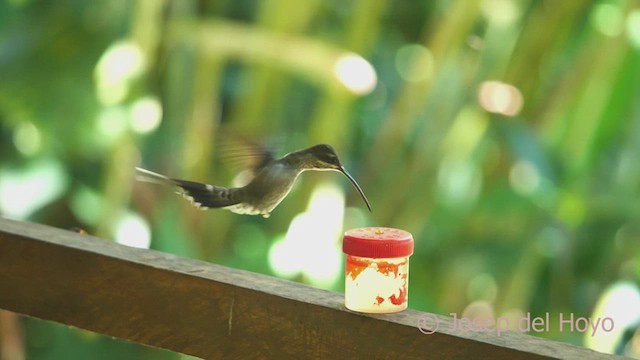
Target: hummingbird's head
point(324, 157)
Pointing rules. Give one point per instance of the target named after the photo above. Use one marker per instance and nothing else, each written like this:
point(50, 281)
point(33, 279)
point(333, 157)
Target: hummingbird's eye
point(334, 160)
point(330, 158)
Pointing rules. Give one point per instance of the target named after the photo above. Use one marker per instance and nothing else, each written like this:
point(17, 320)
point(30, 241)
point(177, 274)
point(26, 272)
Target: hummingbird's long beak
point(355, 184)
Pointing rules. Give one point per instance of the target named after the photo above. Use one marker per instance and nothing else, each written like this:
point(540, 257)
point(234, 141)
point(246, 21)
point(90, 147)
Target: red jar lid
point(377, 242)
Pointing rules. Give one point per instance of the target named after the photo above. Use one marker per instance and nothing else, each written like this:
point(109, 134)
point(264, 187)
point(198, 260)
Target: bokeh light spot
point(146, 114)
point(524, 177)
point(86, 205)
point(500, 12)
point(356, 74)
point(111, 123)
point(27, 139)
point(459, 181)
point(309, 247)
point(24, 191)
point(608, 19)
point(633, 28)
point(120, 63)
point(621, 303)
point(414, 63)
point(500, 98)
point(132, 230)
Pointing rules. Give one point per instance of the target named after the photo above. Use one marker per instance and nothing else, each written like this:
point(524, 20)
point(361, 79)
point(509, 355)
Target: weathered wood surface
point(211, 311)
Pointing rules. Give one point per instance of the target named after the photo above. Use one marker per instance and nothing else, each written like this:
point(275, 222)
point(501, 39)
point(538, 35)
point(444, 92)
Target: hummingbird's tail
point(151, 177)
point(201, 195)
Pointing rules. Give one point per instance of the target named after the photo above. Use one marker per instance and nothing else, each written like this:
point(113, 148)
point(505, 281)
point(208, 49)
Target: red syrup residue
point(356, 265)
point(400, 299)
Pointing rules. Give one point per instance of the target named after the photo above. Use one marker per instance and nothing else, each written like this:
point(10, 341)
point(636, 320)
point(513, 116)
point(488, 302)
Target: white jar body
point(376, 285)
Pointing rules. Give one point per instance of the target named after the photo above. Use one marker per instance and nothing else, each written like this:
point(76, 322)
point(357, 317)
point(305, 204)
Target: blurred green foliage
point(503, 134)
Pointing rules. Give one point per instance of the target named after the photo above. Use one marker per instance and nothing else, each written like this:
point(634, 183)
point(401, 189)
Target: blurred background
point(504, 134)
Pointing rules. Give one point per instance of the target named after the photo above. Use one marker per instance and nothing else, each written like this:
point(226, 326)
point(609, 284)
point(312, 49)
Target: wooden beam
point(211, 311)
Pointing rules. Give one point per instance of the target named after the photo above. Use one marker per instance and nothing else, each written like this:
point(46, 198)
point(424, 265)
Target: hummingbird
point(270, 182)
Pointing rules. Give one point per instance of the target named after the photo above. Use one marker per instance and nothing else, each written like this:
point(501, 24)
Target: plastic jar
point(377, 269)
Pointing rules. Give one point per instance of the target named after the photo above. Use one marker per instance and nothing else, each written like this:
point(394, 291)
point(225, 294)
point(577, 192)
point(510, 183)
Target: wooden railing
point(211, 311)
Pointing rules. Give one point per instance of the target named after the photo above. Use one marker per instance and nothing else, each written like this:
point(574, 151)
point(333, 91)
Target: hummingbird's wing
point(201, 195)
point(250, 156)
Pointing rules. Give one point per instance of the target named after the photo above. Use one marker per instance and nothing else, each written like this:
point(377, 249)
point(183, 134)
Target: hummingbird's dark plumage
point(271, 181)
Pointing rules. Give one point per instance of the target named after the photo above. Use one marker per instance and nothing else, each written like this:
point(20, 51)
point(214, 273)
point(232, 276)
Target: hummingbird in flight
point(270, 182)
